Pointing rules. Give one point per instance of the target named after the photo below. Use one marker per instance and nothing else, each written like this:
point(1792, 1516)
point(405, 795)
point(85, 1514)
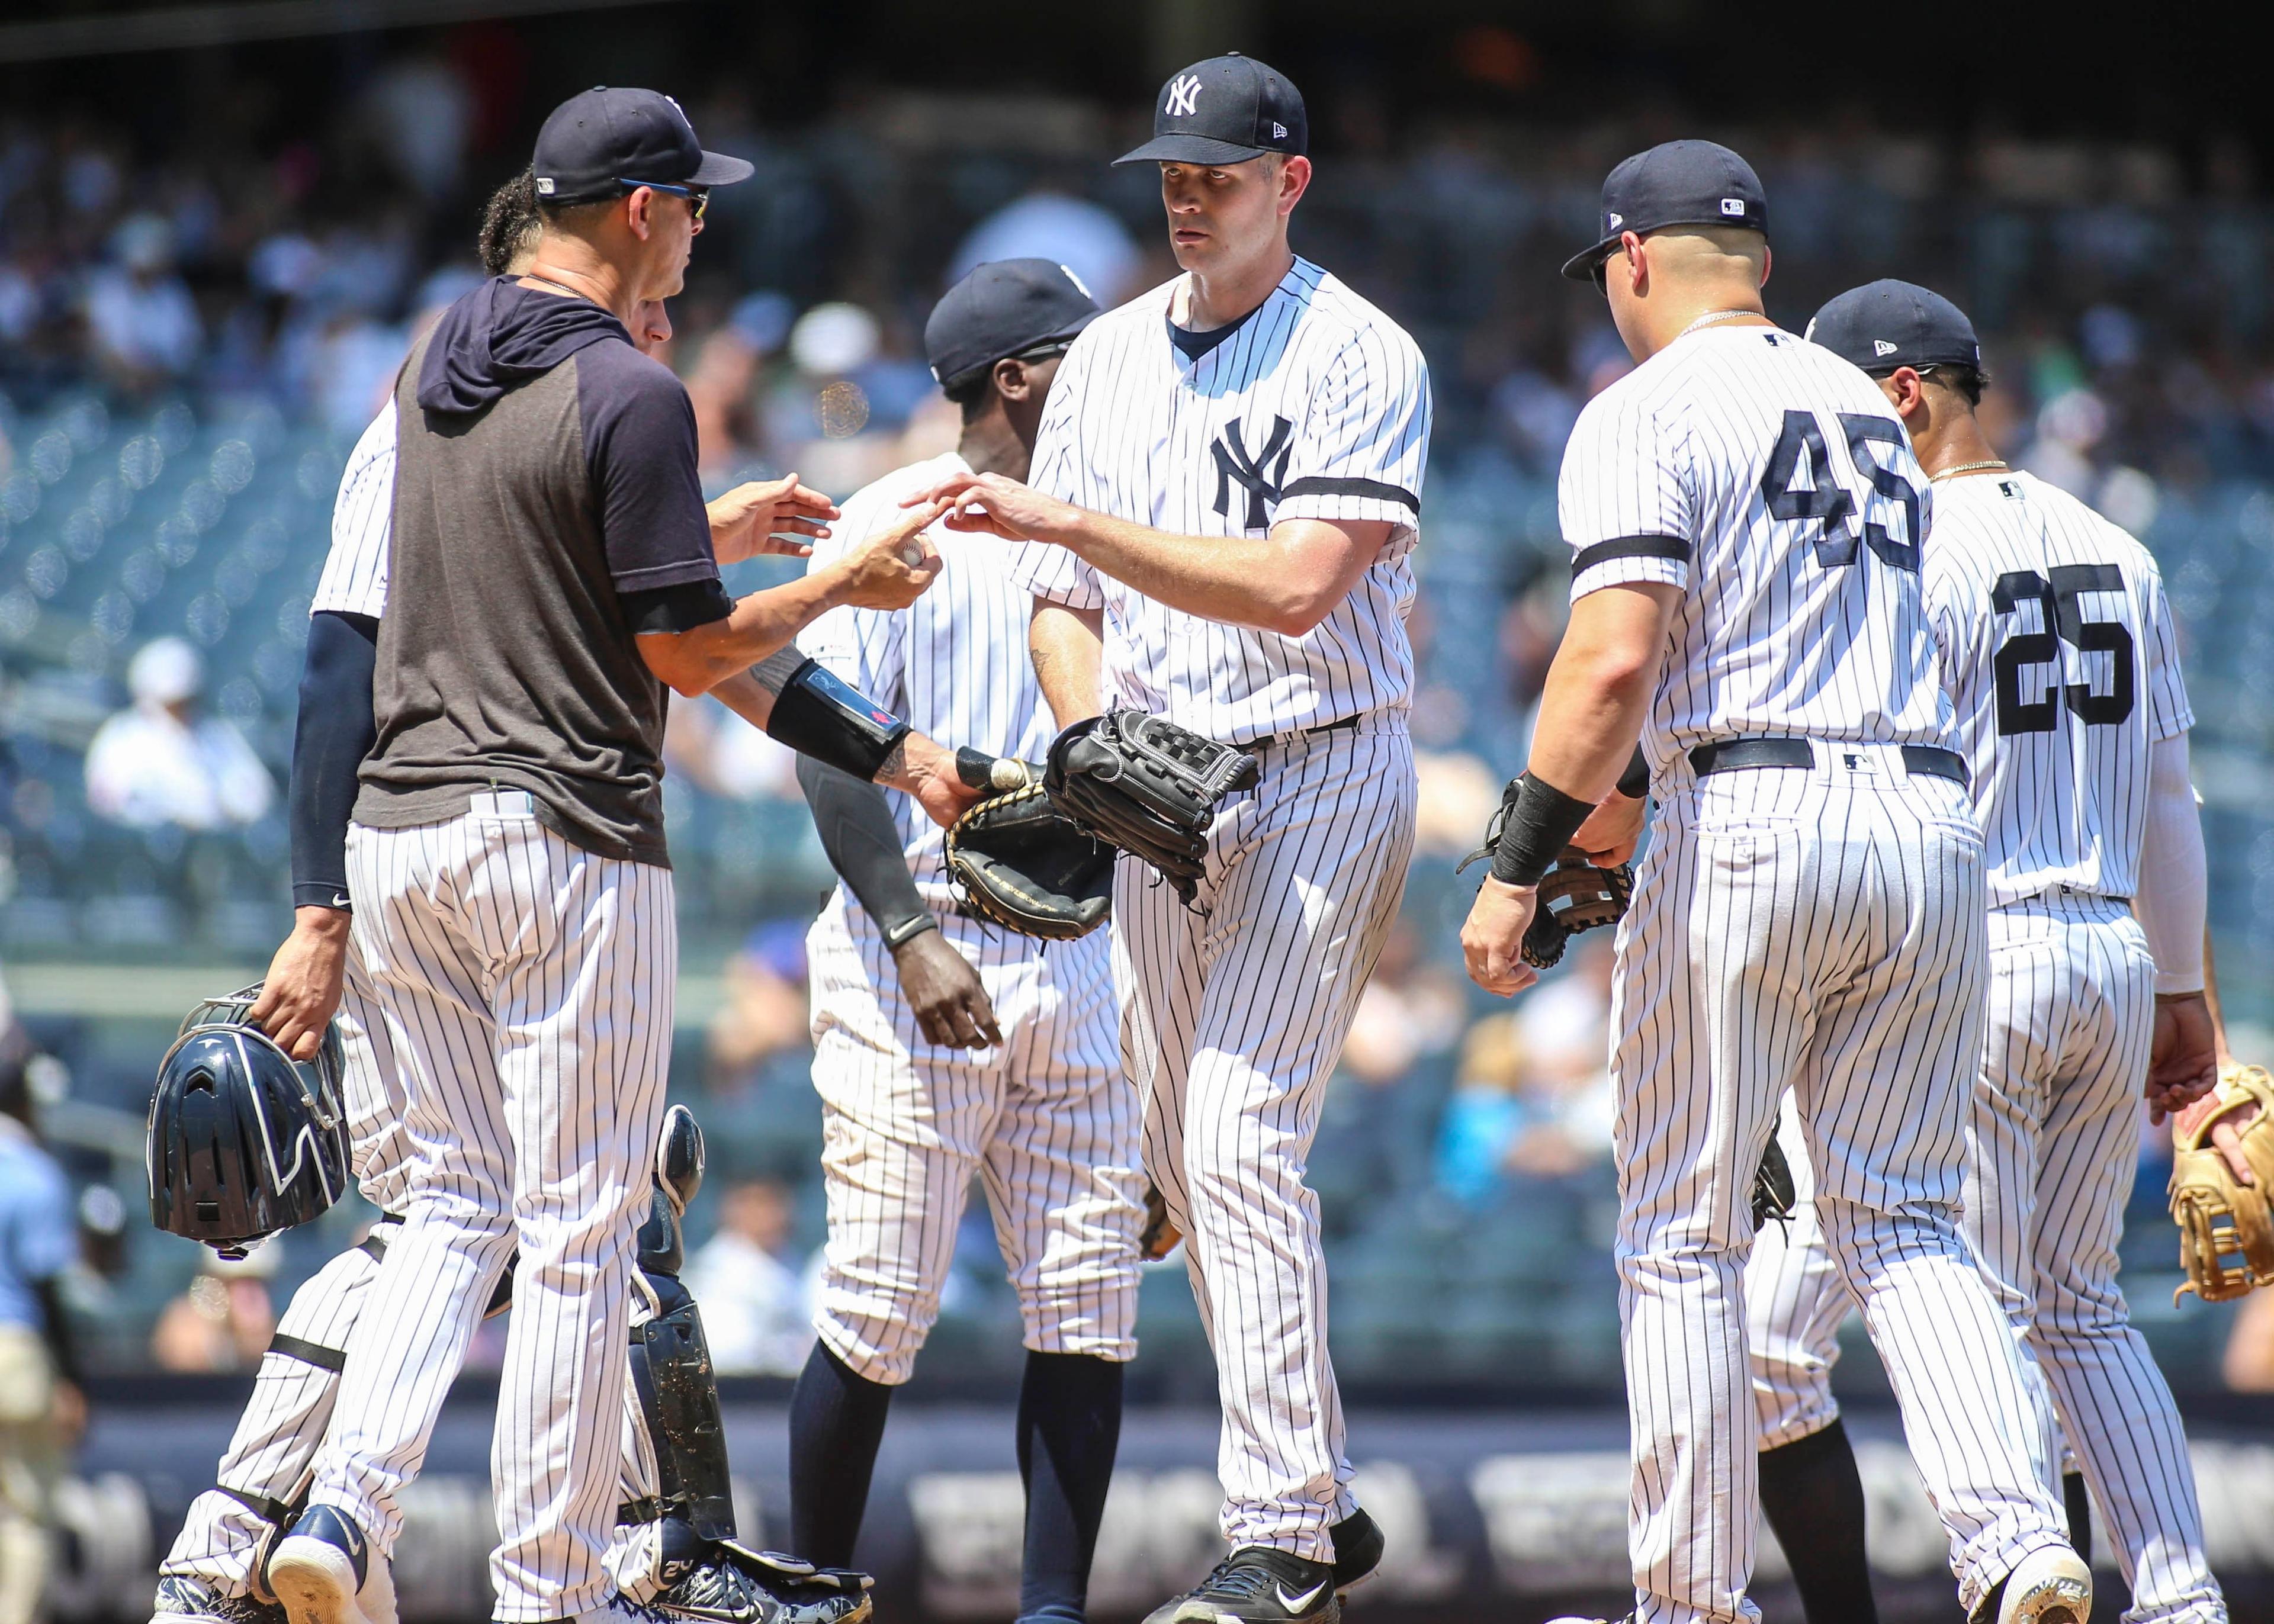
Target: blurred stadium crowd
point(192, 335)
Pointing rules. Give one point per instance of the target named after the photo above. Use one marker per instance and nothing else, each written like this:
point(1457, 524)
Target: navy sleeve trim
point(1324, 485)
point(335, 732)
point(680, 608)
point(1631, 546)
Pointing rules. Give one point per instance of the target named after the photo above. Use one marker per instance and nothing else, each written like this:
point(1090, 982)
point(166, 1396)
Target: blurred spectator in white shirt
point(159, 762)
point(143, 322)
point(755, 1314)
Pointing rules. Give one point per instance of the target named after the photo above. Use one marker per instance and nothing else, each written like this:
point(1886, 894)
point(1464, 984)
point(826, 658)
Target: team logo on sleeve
point(1260, 475)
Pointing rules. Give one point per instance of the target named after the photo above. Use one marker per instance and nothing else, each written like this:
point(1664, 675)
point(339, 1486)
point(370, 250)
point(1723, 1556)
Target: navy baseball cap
point(600, 137)
point(1225, 110)
point(1887, 324)
point(1005, 307)
point(1673, 184)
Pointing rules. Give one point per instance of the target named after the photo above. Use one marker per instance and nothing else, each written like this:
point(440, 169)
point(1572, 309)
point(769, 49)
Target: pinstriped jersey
point(1771, 481)
point(354, 580)
point(2059, 654)
point(953, 664)
point(1316, 405)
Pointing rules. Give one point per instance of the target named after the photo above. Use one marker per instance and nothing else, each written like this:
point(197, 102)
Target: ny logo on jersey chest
point(1260, 475)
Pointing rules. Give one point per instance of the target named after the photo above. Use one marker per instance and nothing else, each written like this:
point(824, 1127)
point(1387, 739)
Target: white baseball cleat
point(324, 1572)
point(2048, 1586)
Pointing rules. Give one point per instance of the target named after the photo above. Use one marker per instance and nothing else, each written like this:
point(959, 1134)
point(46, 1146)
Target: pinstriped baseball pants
point(1820, 930)
point(527, 987)
point(1045, 1120)
point(2054, 1145)
point(1231, 1022)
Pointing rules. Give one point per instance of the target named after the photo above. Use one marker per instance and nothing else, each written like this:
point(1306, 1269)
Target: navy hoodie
point(502, 335)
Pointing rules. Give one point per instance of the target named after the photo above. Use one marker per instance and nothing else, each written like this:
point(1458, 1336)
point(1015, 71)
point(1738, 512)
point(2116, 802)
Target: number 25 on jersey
point(2061, 607)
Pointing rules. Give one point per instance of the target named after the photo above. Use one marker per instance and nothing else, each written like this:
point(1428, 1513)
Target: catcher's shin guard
point(679, 1401)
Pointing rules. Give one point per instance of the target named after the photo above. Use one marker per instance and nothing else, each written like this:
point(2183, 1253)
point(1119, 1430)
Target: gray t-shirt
point(546, 471)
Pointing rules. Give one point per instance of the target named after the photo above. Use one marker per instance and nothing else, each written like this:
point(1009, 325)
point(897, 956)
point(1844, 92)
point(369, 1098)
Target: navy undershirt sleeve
point(863, 844)
point(334, 732)
point(680, 608)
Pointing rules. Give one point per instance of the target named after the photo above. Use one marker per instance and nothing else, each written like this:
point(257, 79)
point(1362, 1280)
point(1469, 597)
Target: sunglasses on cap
point(699, 197)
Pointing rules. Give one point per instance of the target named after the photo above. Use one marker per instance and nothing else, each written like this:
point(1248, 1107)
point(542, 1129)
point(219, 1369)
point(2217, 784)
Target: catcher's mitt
point(1020, 861)
point(1147, 786)
point(2226, 1228)
point(1774, 1194)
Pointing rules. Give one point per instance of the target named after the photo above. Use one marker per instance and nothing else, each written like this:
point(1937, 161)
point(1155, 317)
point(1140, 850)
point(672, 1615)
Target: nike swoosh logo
point(1296, 1604)
point(340, 900)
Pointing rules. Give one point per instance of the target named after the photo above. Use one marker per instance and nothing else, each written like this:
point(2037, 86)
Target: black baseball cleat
point(184, 1599)
point(793, 1591)
point(1357, 1550)
point(1255, 1585)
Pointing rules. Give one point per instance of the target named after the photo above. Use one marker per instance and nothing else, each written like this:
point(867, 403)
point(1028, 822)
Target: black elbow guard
point(818, 715)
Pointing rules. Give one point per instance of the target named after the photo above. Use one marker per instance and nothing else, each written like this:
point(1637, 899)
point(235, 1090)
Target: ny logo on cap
point(1735, 207)
point(1881, 346)
point(1183, 96)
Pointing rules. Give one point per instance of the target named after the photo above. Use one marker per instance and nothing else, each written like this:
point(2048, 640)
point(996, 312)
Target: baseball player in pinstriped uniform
point(2059, 653)
point(943, 1045)
point(506, 854)
point(211, 1572)
point(1746, 519)
point(1225, 496)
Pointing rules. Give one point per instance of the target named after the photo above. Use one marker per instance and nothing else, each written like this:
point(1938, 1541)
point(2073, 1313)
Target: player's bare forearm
point(1285, 582)
point(1599, 687)
point(700, 661)
point(1068, 648)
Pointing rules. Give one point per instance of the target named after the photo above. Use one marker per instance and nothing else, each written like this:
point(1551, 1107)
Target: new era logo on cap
point(1881, 346)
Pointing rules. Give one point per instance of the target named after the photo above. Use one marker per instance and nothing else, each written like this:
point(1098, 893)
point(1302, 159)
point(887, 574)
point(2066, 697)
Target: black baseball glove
point(1147, 786)
point(1020, 862)
point(1774, 1194)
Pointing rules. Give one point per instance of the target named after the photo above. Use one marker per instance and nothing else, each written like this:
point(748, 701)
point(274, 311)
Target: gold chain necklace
point(1970, 467)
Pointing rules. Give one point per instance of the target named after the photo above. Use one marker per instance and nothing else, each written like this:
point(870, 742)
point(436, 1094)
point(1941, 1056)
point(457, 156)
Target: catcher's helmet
point(243, 1140)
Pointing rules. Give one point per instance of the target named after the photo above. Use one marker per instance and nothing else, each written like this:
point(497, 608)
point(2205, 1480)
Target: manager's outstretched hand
point(765, 516)
point(992, 504)
point(896, 565)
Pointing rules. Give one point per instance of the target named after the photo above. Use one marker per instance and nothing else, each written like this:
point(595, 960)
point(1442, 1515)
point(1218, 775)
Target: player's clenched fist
point(768, 515)
point(1492, 939)
point(892, 568)
point(992, 504)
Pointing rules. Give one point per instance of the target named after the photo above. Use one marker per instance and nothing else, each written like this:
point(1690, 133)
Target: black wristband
point(907, 930)
point(1539, 826)
point(1634, 783)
